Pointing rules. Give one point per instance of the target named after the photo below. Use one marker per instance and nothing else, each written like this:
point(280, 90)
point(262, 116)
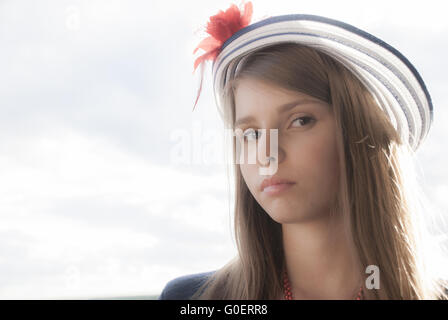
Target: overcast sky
point(94, 96)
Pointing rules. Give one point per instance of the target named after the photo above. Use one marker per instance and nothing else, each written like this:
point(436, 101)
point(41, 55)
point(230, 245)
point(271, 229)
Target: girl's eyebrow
point(282, 108)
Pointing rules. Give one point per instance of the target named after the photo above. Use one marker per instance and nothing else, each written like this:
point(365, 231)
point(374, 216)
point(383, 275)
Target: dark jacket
point(182, 288)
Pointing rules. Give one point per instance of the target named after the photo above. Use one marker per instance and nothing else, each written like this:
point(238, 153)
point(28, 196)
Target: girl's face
point(306, 149)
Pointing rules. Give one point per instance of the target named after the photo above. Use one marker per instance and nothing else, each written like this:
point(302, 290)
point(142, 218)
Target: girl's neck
point(320, 261)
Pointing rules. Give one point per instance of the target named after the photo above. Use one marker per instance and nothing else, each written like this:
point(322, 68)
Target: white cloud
point(48, 200)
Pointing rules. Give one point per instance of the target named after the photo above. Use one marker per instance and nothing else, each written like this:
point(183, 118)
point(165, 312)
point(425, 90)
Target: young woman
point(335, 115)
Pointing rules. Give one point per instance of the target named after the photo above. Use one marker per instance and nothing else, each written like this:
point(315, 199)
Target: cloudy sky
point(94, 99)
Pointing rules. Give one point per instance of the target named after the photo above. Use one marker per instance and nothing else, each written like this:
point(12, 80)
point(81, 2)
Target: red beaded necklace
point(288, 293)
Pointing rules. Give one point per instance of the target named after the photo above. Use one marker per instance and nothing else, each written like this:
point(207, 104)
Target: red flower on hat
point(221, 27)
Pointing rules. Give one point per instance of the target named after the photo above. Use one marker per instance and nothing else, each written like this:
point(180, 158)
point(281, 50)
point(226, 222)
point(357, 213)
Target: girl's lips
point(276, 189)
point(273, 181)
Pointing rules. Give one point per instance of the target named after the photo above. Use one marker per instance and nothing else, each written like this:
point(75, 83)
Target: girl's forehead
point(254, 96)
point(259, 85)
point(258, 91)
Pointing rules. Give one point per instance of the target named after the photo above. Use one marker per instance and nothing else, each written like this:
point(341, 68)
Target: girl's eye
point(308, 120)
point(252, 132)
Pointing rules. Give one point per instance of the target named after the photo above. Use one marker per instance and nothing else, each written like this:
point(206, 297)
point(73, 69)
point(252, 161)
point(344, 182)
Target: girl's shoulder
point(182, 288)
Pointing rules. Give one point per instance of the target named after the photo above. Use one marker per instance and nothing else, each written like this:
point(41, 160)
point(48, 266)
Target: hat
point(391, 78)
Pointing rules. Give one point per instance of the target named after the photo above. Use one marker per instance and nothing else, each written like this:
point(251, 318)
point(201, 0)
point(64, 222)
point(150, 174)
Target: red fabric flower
point(221, 27)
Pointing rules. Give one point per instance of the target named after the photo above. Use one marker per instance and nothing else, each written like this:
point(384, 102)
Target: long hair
point(379, 197)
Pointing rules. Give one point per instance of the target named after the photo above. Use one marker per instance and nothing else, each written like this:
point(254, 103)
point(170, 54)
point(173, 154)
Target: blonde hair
point(379, 196)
